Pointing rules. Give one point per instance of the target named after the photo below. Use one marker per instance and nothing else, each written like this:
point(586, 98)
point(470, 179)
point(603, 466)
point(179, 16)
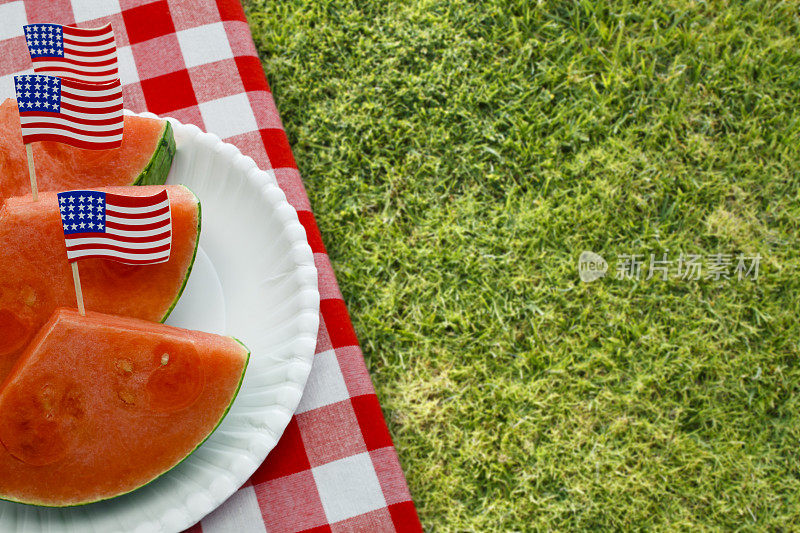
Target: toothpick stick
point(32, 172)
point(78, 292)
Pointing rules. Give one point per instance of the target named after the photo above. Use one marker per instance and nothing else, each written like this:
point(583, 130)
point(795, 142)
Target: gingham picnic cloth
point(335, 468)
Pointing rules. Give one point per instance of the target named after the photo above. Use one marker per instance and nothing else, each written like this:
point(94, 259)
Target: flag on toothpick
point(84, 54)
point(135, 230)
point(86, 115)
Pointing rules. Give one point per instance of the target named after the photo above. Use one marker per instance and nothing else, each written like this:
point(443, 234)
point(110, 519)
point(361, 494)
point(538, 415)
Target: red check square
point(230, 10)
point(312, 231)
point(337, 320)
point(169, 92)
point(404, 516)
point(367, 409)
point(251, 73)
point(288, 457)
point(278, 150)
point(148, 21)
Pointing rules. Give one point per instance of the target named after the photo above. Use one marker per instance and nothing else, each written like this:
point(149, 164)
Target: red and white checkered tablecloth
point(335, 469)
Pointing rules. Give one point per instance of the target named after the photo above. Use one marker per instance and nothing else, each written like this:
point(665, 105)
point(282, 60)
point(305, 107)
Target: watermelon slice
point(144, 158)
point(100, 405)
point(35, 277)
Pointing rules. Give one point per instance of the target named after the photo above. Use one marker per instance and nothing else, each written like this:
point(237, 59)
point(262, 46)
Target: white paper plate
point(254, 278)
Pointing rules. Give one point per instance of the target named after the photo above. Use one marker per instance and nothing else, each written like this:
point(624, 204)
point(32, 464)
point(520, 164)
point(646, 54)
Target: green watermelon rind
point(194, 256)
point(188, 455)
point(156, 170)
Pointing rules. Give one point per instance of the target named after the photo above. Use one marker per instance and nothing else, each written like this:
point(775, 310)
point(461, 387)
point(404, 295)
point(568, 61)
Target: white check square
point(7, 82)
point(127, 66)
point(325, 384)
point(241, 513)
point(348, 487)
point(14, 18)
point(228, 116)
point(93, 9)
point(204, 44)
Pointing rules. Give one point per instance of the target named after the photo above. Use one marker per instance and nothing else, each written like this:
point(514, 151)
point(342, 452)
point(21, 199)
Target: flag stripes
point(130, 229)
point(84, 54)
point(86, 115)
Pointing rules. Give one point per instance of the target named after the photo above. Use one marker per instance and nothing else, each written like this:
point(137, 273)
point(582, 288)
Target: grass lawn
point(459, 157)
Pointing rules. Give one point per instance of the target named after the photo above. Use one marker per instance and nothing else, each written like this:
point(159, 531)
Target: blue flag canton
point(38, 93)
point(45, 40)
point(82, 211)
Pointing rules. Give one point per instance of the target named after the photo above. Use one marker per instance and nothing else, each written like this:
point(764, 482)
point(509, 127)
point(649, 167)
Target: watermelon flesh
point(35, 277)
point(100, 405)
point(144, 158)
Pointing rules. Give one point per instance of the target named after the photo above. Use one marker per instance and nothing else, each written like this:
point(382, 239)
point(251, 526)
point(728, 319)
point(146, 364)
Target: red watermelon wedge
point(100, 405)
point(35, 277)
point(144, 158)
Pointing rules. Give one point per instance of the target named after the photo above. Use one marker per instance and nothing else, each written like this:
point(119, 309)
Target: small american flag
point(86, 115)
point(136, 230)
point(84, 54)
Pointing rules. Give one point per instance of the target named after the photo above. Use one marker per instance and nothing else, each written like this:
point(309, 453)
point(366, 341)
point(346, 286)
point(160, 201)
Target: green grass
point(460, 155)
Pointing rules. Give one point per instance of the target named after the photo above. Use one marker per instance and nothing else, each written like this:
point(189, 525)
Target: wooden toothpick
point(32, 173)
point(78, 292)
